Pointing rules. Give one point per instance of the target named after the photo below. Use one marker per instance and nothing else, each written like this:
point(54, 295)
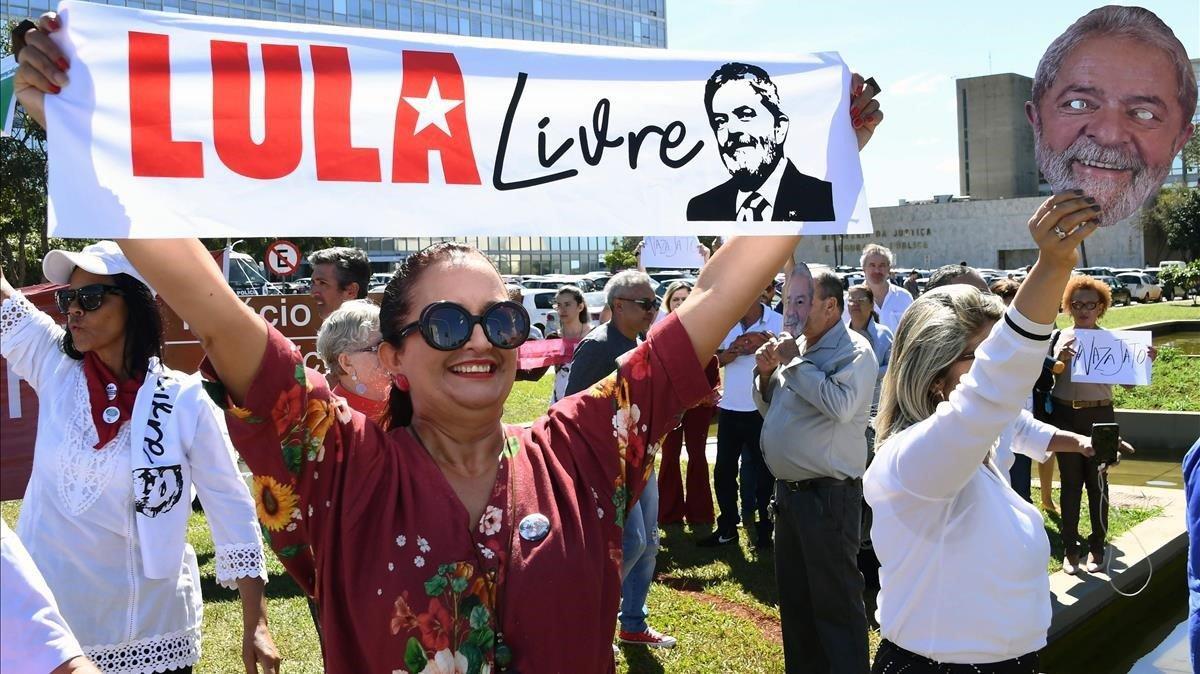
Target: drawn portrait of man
point(1113, 98)
point(744, 111)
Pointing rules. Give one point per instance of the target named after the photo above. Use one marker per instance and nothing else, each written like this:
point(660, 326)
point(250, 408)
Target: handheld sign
point(1111, 357)
point(392, 133)
point(671, 252)
point(282, 257)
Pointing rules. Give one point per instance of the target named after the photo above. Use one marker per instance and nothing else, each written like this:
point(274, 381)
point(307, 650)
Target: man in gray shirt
point(815, 393)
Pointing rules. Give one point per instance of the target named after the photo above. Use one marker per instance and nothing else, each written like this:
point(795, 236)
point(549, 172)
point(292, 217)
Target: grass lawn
point(721, 604)
point(1120, 317)
point(529, 399)
point(1174, 385)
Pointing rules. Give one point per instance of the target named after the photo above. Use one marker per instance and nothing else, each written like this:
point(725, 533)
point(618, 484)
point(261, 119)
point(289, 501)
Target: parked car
point(540, 305)
point(1142, 287)
point(1120, 293)
point(1096, 271)
point(1169, 291)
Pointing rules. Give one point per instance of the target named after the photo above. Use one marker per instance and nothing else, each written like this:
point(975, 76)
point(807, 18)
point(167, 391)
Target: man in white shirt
point(890, 299)
point(738, 428)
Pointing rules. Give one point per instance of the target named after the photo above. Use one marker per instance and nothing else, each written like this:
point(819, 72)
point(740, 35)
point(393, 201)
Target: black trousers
point(891, 659)
point(738, 436)
point(1077, 472)
point(816, 568)
point(1021, 476)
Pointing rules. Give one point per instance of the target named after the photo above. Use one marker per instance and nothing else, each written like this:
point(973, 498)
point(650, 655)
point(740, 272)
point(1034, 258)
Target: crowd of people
point(431, 537)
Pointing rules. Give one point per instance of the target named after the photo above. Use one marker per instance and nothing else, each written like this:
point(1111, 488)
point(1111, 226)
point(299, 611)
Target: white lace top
point(77, 518)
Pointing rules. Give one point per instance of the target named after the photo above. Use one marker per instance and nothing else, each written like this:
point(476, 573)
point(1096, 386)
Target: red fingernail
point(62, 63)
point(55, 88)
point(854, 111)
point(857, 123)
point(858, 91)
point(53, 23)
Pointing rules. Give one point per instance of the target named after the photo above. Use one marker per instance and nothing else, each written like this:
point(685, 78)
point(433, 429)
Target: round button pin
point(111, 415)
point(534, 527)
point(111, 391)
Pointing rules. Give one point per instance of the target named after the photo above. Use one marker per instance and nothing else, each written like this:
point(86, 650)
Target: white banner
point(671, 252)
point(1112, 357)
point(177, 125)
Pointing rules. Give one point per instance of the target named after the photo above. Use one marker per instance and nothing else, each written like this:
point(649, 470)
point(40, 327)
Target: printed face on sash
point(157, 490)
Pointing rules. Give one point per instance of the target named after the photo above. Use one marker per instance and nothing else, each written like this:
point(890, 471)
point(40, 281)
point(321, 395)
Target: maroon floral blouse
point(366, 521)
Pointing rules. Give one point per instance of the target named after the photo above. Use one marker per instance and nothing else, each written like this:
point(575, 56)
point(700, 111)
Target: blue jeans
point(639, 549)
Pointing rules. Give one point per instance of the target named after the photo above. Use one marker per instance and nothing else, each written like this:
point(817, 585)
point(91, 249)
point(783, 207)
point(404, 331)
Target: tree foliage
point(1176, 214)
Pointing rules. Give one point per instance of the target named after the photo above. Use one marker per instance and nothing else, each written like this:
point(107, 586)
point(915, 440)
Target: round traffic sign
point(283, 257)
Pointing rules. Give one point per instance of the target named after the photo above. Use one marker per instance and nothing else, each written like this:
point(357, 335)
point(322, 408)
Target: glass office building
point(1176, 174)
point(630, 23)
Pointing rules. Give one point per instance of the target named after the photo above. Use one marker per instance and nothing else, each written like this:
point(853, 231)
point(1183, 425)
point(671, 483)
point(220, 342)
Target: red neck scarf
point(105, 392)
point(373, 410)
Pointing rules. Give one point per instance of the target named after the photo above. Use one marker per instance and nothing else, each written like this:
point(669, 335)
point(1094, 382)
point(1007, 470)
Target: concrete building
point(993, 233)
point(995, 140)
point(1176, 175)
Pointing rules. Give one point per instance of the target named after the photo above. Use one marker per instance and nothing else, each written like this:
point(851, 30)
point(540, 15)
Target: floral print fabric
point(406, 582)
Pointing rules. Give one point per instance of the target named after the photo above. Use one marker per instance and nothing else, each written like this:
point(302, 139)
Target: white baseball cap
point(103, 257)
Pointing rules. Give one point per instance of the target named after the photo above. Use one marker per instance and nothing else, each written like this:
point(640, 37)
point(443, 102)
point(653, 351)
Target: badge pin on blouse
point(111, 415)
point(534, 527)
point(110, 390)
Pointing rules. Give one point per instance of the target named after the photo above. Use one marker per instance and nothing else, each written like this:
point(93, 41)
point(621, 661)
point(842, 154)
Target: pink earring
point(400, 382)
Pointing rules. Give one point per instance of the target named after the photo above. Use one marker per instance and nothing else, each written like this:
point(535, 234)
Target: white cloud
point(919, 83)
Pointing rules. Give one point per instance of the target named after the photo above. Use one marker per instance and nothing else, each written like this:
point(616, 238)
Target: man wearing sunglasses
point(634, 306)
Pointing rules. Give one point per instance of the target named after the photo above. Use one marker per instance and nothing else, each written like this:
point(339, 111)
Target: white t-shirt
point(34, 638)
point(738, 380)
point(963, 557)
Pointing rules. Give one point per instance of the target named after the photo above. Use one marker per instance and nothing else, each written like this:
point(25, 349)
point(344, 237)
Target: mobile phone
point(1105, 438)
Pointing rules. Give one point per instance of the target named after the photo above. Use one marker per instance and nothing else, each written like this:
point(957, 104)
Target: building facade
point(1176, 175)
point(517, 255)
point(991, 233)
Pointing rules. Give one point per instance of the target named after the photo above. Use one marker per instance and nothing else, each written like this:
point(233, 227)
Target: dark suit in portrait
point(800, 197)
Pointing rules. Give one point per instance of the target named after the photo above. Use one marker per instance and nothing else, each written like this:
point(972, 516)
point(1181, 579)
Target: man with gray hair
point(633, 305)
point(814, 391)
point(1113, 98)
point(890, 299)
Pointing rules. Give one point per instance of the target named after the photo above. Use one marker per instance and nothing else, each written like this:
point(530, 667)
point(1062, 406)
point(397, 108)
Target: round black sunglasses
point(447, 326)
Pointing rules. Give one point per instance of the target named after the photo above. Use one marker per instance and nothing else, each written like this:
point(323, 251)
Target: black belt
point(813, 483)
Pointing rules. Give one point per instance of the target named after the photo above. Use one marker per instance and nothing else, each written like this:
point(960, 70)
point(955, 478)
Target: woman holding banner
point(446, 540)
point(961, 368)
point(573, 326)
point(121, 442)
point(1076, 406)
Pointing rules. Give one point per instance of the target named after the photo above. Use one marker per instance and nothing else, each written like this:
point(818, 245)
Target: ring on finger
point(1059, 233)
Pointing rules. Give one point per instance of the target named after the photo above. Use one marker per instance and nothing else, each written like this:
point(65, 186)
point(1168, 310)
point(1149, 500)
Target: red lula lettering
point(154, 152)
point(432, 81)
point(279, 152)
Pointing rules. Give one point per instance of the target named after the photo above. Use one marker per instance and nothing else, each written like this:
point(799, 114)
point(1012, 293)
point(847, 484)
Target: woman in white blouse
point(963, 577)
point(121, 442)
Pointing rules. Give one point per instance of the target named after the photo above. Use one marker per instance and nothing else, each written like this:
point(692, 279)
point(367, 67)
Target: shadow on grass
point(280, 585)
point(752, 571)
point(640, 660)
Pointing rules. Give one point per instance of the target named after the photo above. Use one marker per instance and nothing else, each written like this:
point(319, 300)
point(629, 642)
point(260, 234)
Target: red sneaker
point(650, 637)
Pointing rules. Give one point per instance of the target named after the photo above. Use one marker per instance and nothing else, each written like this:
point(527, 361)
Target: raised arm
point(184, 275)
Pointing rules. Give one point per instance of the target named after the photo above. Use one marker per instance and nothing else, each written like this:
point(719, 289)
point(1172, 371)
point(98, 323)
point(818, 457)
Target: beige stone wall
point(980, 232)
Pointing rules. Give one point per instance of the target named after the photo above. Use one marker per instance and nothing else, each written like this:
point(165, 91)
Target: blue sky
point(915, 49)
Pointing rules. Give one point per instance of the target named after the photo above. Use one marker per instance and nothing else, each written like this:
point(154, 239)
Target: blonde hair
point(931, 336)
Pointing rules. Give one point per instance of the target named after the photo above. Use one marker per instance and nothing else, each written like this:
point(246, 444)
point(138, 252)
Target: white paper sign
point(177, 125)
point(1111, 357)
point(671, 252)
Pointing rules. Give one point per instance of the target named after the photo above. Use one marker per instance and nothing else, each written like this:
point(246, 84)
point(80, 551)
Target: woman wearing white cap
point(121, 441)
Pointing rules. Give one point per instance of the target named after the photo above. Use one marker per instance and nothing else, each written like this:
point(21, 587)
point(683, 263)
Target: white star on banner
point(432, 109)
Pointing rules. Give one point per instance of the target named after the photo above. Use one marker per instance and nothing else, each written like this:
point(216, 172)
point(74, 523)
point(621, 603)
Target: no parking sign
point(283, 257)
